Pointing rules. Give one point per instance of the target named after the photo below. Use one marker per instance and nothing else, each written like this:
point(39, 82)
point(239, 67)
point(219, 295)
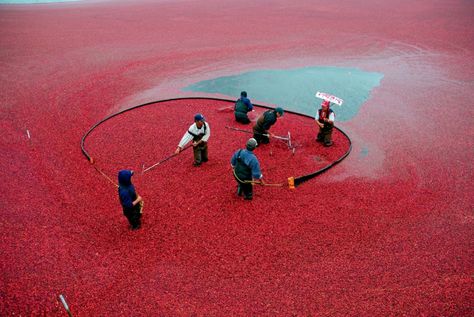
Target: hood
point(125, 177)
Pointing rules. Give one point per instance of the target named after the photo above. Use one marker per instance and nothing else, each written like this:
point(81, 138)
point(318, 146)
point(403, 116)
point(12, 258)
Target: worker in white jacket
point(199, 132)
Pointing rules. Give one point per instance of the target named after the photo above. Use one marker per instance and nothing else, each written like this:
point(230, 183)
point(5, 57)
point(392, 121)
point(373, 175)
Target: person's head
point(199, 119)
point(251, 144)
point(279, 111)
point(243, 94)
point(125, 177)
point(325, 104)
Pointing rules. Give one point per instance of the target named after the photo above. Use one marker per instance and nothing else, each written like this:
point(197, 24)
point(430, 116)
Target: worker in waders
point(199, 132)
point(246, 169)
point(263, 124)
point(242, 106)
point(325, 120)
point(129, 199)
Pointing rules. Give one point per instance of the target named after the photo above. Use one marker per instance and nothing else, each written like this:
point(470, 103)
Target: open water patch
point(364, 152)
point(294, 89)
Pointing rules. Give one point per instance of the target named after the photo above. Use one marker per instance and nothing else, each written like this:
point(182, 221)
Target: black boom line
point(297, 180)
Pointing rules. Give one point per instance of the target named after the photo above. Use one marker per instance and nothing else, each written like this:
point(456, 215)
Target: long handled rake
point(257, 182)
point(66, 306)
point(285, 139)
point(162, 161)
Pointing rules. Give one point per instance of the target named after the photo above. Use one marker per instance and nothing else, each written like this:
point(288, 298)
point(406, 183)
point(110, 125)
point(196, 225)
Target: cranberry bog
point(388, 231)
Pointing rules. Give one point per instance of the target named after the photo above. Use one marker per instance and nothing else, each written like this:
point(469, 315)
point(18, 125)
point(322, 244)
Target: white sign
point(328, 97)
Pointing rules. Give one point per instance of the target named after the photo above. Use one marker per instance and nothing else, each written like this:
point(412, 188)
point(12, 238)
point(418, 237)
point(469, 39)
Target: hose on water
point(297, 180)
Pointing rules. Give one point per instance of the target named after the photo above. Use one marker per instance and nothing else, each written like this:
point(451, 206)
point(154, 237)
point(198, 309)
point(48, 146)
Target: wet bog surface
point(144, 136)
point(388, 231)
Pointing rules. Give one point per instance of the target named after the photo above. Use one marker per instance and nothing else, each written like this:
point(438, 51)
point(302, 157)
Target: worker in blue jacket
point(242, 106)
point(246, 169)
point(129, 199)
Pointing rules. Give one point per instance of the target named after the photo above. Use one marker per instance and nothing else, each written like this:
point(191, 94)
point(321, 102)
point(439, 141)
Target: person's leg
point(128, 215)
point(242, 118)
point(239, 189)
point(261, 136)
point(256, 135)
point(197, 155)
point(320, 137)
point(133, 217)
point(239, 186)
point(257, 138)
point(247, 189)
point(264, 139)
point(139, 219)
point(328, 138)
point(135, 220)
point(204, 153)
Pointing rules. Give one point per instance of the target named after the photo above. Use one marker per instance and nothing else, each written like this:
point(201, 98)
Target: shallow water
point(294, 89)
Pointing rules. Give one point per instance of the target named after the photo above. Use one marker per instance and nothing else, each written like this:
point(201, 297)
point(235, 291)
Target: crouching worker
point(263, 124)
point(246, 169)
point(325, 120)
point(131, 202)
point(199, 132)
point(242, 106)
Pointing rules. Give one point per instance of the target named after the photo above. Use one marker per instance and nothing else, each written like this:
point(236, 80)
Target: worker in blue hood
point(129, 199)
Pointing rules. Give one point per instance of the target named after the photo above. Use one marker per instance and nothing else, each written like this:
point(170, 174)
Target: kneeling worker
point(246, 169)
point(242, 106)
point(199, 132)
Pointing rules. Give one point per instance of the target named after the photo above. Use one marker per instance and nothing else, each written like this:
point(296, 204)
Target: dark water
point(294, 89)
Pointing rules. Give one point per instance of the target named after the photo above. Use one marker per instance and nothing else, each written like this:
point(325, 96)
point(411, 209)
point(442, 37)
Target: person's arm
point(258, 180)
point(136, 201)
point(255, 168)
point(249, 104)
point(184, 140)
point(208, 133)
point(316, 118)
point(331, 118)
point(233, 160)
point(125, 199)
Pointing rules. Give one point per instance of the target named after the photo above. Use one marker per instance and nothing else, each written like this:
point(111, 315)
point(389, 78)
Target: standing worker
point(246, 169)
point(242, 106)
point(325, 120)
point(264, 122)
point(199, 132)
point(130, 201)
